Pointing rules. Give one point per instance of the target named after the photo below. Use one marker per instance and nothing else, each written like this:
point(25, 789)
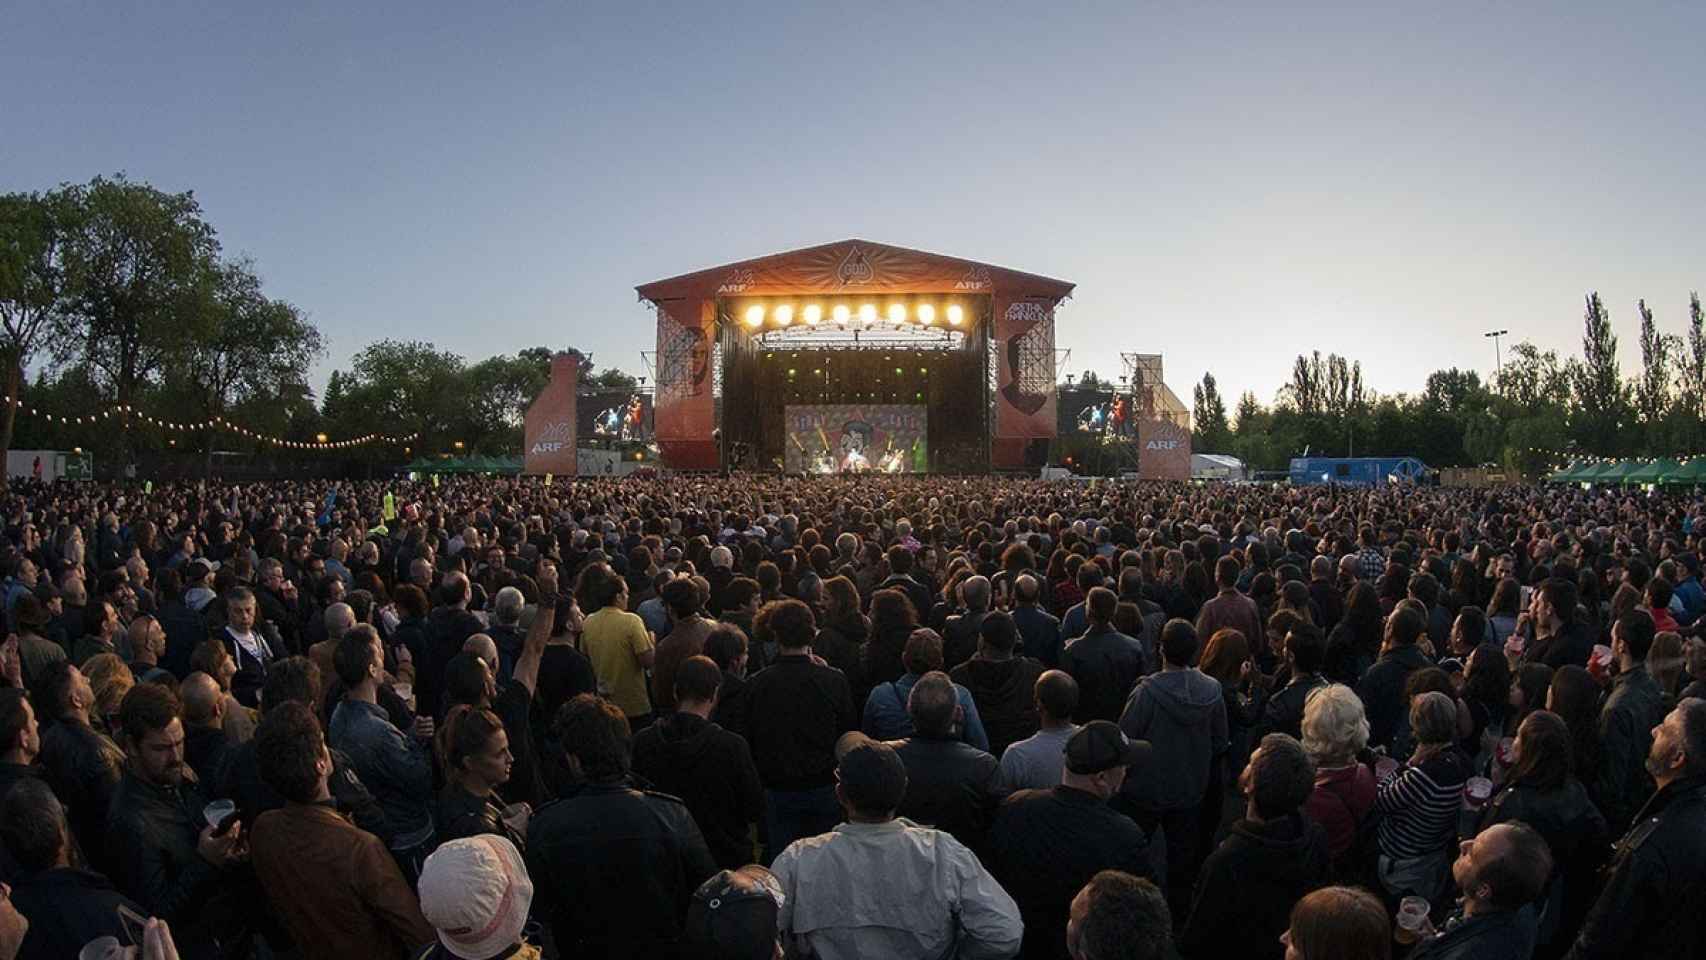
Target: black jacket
point(1039, 632)
point(1633, 708)
point(1005, 694)
point(1284, 710)
point(448, 628)
point(83, 768)
point(286, 618)
point(841, 643)
point(1572, 646)
point(711, 770)
point(11, 774)
point(151, 840)
point(1381, 690)
point(1106, 665)
point(206, 750)
point(613, 869)
point(67, 908)
point(917, 592)
point(960, 636)
point(950, 785)
point(731, 704)
point(1485, 936)
point(461, 814)
point(1045, 845)
point(185, 630)
point(1249, 884)
point(795, 712)
point(1650, 906)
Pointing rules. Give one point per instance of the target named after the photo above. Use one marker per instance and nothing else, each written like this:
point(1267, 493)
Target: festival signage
point(1163, 449)
point(549, 430)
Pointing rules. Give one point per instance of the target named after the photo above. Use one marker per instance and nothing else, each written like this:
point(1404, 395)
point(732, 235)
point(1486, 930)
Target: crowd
point(759, 717)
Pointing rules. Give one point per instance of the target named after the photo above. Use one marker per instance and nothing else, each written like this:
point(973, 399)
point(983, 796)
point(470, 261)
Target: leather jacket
point(1650, 905)
point(83, 767)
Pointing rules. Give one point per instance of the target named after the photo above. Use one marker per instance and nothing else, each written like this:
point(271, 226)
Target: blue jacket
point(395, 766)
point(886, 717)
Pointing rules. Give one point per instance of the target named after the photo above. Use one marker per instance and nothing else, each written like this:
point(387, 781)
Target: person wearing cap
point(335, 886)
point(475, 892)
point(616, 866)
point(1270, 859)
point(880, 886)
point(734, 916)
point(1047, 844)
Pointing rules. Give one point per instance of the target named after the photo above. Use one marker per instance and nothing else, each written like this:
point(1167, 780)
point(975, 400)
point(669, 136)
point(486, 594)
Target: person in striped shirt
point(1419, 802)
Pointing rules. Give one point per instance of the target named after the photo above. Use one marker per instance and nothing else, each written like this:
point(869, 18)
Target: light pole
point(1498, 358)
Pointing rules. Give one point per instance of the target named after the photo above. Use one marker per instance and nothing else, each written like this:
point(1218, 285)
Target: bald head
point(482, 646)
point(340, 619)
point(204, 702)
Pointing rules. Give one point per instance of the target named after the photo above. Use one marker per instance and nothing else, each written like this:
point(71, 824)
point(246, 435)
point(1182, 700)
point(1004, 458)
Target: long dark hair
point(1575, 698)
point(1545, 754)
point(1363, 618)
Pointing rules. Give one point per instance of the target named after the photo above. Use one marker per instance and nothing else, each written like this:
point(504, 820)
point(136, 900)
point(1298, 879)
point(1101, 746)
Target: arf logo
point(1162, 445)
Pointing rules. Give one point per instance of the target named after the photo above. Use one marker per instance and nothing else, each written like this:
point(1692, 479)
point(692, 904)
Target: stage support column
point(684, 413)
point(1025, 378)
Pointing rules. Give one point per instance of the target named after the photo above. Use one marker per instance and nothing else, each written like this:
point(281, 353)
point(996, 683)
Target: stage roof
point(852, 267)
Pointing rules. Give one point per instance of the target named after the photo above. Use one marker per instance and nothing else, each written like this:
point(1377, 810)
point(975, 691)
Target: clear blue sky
point(1227, 186)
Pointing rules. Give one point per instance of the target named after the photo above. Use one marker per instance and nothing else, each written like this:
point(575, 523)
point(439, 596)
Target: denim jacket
point(886, 717)
point(395, 766)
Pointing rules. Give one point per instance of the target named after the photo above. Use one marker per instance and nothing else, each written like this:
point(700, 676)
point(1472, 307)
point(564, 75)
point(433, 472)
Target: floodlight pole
point(1498, 358)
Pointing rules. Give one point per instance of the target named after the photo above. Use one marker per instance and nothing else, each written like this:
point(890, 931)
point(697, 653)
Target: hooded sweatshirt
point(711, 771)
point(1005, 694)
point(1248, 885)
point(1183, 716)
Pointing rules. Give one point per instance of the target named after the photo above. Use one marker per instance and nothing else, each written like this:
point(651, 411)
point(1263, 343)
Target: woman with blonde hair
point(1664, 662)
point(1335, 731)
point(110, 679)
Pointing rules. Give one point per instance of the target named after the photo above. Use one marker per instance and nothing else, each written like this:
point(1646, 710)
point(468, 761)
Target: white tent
point(1217, 466)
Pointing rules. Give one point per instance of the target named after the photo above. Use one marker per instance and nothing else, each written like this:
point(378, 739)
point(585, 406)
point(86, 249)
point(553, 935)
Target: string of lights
point(212, 423)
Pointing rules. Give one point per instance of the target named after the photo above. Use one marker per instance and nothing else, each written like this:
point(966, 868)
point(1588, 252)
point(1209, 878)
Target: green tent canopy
point(1654, 472)
point(1689, 472)
point(1571, 473)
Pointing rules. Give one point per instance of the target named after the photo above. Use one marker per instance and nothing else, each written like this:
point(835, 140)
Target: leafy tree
point(1692, 374)
point(1652, 390)
point(401, 387)
point(609, 379)
point(1209, 414)
point(33, 294)
point(1453, 391)
point(1601, 397)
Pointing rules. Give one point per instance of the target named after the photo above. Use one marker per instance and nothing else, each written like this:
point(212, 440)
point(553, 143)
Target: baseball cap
point(475, 892)
point(872, 776)
point(733, 915)
point(1101, 745)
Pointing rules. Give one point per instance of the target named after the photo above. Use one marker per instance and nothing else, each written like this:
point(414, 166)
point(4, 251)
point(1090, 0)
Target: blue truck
point(1357, 471)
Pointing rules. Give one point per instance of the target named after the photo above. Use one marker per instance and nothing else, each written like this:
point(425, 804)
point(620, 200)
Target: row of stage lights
point(842, 315)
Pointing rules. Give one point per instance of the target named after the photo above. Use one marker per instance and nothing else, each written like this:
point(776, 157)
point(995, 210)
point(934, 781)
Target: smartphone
point(133, 923)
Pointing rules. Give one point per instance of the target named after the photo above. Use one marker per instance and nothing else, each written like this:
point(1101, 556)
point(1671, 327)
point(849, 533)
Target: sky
point(1228, 184)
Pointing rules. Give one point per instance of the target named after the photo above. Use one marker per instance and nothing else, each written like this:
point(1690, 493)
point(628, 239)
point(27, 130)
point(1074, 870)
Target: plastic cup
point(1384, 767)
point(1477, 790)
point(101, 948)
point(215, 812)
point(1412, 917)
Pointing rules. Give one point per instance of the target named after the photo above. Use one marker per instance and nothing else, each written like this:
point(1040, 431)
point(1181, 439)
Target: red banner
point(684, 410)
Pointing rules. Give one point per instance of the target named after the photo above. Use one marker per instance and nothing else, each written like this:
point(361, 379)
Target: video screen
point(616, 416)
point(856, 438)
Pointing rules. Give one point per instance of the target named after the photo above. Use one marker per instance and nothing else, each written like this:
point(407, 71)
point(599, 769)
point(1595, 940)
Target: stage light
point(956, 314)
point(813, 314)
point(926, 313)
point(783, 315)
point(868, 314)
point(754, 315)
point(897, 313)
point(842, 314)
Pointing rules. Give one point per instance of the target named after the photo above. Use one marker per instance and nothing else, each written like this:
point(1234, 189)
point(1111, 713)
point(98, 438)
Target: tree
point(402, 387)
point(1652, 390)
point(1601, 399)
point(1532, 380)
point(1452, 391)
point(1692, 371)
point(134, 262)
point(245, 350)
point(1209, 414)
point(33, 294)
point(609, 379)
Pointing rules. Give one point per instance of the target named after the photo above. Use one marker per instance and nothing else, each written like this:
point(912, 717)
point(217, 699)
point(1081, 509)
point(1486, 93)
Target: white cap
point(476, 892)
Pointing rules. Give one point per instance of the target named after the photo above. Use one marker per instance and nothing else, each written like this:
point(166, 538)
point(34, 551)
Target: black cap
point(1100, 745)
point(733, 915)
point(872, 776)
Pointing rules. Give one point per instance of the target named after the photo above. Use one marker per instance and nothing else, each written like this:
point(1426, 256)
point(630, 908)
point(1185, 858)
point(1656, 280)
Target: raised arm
point(544, 621)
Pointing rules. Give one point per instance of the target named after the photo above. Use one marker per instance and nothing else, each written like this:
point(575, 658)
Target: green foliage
point(1212, 433)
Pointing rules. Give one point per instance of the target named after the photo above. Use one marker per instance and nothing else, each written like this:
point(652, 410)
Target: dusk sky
point(1228, 187)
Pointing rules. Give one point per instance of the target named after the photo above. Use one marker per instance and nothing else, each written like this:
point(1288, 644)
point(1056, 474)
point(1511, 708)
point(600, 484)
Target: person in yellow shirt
point(616, 641)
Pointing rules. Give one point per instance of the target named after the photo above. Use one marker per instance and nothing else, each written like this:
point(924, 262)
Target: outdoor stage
point(857, 356)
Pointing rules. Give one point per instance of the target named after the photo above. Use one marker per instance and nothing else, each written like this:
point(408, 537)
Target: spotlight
point(813, 314)
point(897, 313)
point(754, 315)
point(841, 314)
point(868, 314)
point(783, 315)
point(926, 313)
point(956, 315)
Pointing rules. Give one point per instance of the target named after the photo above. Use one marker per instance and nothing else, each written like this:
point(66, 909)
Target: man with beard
point(1650, 905)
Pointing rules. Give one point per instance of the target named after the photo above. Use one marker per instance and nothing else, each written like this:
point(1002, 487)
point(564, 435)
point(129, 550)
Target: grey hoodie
point(1183, 716)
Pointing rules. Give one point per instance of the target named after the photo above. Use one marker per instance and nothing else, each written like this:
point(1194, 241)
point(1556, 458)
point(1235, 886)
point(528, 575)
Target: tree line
point(1537, 411)
point(115, 295)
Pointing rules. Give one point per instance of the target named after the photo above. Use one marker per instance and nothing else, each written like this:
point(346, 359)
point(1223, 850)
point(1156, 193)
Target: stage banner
point(1023, 344)
point(685, 409)
point(1163, 449)
point(856, 437)
point(549, 428)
